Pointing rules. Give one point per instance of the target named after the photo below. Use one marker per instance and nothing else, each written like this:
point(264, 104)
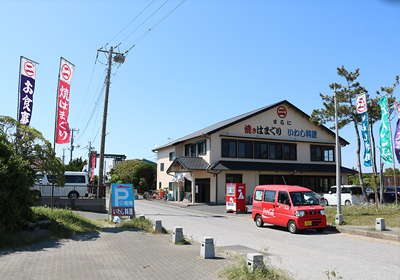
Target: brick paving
point(112, 254)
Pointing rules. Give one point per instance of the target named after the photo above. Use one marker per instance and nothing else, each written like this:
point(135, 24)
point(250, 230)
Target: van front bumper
point(317, 221)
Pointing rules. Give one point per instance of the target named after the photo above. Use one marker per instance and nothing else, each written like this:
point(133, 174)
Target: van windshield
point(303, 198)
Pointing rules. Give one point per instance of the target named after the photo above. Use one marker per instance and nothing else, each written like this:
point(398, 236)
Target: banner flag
point(384, 133)
point(64, 83)
point(92, 164)
point(362, 111)
point(26, 90)
point(397, 135)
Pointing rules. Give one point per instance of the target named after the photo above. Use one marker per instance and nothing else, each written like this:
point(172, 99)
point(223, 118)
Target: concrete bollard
point(254, 261)
point(177, 235)
point(157, 226)
point(380, 224)
point(207, 248)
point(141, 217)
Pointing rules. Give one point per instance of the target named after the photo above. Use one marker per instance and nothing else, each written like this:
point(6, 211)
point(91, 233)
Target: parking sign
point(122, 200)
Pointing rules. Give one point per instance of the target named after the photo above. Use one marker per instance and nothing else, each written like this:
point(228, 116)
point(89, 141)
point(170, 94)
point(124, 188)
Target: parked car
point(293, 207)
point(351, 194)
point(388, 195)
point(321, 199)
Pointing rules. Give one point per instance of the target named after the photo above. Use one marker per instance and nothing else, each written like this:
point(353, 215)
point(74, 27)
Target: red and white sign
point(93, 165)
point(361, 105)
point(29, 68)
point(281, 112)
point(62, 127)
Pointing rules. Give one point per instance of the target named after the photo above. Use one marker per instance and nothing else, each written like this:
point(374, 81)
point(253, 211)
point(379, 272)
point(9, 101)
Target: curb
point(373, 234)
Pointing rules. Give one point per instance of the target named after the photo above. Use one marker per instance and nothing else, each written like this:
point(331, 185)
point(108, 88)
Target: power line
point(154, 26)
point(131, 22)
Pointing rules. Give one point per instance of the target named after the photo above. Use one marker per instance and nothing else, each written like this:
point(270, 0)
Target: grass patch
point(365, 214)
point(144, 224)
point(239, 270)
point(60, 223)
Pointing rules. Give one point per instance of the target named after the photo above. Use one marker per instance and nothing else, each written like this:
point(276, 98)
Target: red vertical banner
point(62, 126)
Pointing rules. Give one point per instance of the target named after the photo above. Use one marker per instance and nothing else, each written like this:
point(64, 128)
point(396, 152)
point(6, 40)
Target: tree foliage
point(346, 109)
point(123, 171)
point(76, 164)
point(16, 175)
point(144, 177)
point(23, 152)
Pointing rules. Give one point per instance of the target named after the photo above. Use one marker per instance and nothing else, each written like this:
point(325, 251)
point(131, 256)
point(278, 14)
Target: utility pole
point(72, 141)
point(120, 59)
point(63, 156)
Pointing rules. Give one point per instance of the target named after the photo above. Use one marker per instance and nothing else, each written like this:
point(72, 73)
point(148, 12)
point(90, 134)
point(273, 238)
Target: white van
point(76, 185)
point(351, 194)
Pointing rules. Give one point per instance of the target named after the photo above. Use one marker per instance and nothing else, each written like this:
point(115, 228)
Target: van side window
point(282, 197)
point(269, 196)
point(73, 179)
point(258, 195)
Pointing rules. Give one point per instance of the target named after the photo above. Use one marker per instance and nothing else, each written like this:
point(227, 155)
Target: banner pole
point(56, 114)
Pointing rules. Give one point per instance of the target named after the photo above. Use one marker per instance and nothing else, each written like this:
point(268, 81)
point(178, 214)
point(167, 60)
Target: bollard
point(254, 261)
point(177, 235)
point(380, 224)
point(207, 248)
point(157, 226)
point(141, 217)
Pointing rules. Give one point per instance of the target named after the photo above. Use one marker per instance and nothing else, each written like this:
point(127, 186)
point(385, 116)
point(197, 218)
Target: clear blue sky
point(206, 62)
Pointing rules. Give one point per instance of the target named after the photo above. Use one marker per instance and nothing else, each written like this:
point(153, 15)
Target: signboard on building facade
point(281, 125)
point(122, 200)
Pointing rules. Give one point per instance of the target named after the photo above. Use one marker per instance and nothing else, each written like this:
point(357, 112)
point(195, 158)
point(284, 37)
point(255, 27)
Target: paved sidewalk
point(112, 254)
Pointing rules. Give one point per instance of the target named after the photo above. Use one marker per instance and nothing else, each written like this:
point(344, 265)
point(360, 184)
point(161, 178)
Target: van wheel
point(347, 203)
point(326, 201)
point(292, 227)
point(73, 195)
point(320, 229)
point(259, 221)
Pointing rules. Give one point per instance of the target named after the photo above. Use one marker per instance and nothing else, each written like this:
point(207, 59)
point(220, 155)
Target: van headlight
point(323, 212)
point(299, 213)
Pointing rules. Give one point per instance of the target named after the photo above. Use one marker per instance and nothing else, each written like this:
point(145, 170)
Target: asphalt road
point(307, 255)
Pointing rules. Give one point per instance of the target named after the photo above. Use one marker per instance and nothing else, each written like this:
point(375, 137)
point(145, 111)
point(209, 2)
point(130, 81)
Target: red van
point(293, 207)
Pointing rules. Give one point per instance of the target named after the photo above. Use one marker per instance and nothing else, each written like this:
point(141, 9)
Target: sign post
point(122, 200)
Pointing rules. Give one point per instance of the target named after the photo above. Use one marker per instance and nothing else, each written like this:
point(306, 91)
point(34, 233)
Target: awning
point(180, 177)
point(225, 165)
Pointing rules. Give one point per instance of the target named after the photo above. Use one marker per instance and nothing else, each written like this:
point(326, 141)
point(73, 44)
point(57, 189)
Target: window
point(322, 153)
point(234, 178)
point(171, 186)
point(195, 149)
point(258, 195)
point(269, 196)
point(161, 166)
point(229, 148)
point(171, 156)
point(201, 147)
point(275, 151)
point(73, 179)
point(283, 198)
point(289, 152)
point(261, 150)
point(245, 149)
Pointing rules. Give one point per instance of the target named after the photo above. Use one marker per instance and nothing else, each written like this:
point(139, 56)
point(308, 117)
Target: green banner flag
point(384, 133)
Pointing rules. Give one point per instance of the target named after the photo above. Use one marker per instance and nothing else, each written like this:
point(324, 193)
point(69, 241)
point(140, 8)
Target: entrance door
point(202, 191)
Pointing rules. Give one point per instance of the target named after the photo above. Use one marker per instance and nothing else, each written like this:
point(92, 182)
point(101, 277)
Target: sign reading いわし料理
point(122, 200)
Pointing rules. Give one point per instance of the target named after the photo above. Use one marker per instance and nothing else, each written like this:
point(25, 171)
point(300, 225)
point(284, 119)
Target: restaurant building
point(276, 144)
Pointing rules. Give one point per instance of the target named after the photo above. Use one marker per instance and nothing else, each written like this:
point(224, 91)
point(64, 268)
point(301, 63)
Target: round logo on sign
point(29, 68)
point(282, 112)
point(361, 106)
point(66, 72)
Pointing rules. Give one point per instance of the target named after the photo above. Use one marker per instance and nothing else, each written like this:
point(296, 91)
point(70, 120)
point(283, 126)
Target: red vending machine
point(236, 197)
